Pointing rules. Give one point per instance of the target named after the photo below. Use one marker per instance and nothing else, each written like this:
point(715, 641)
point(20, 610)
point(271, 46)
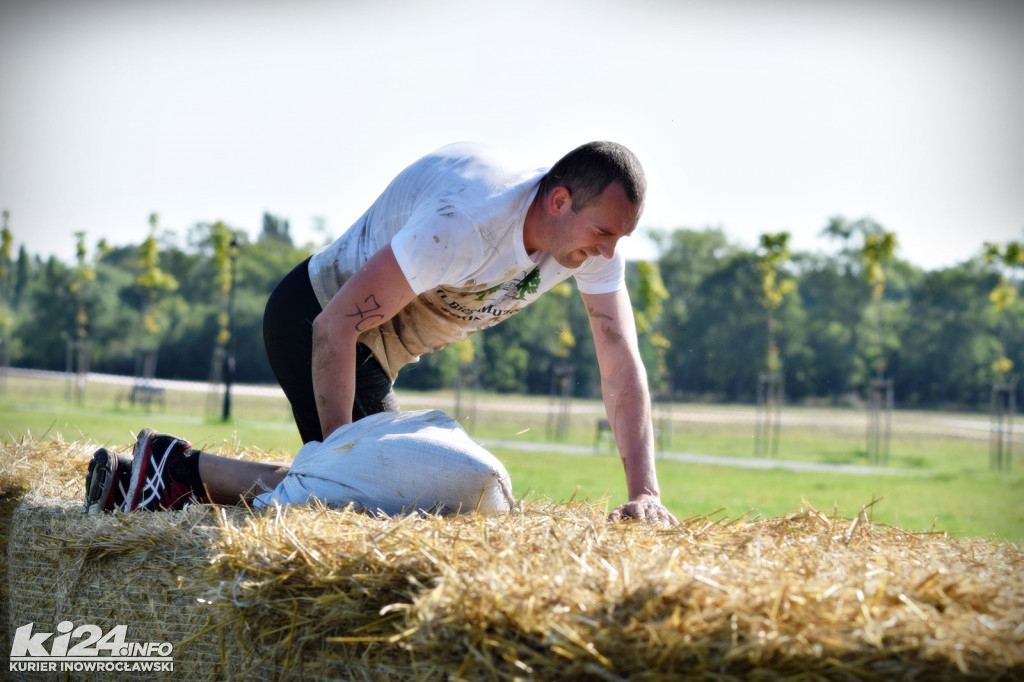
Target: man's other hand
point(644, 508)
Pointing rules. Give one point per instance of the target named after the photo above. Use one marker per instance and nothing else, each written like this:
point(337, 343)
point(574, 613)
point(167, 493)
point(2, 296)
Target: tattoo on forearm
point(367, 317)
point(611, 335)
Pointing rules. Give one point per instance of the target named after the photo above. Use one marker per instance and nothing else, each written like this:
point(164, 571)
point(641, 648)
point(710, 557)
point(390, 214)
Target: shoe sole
point(141, 456)
point(100, 481)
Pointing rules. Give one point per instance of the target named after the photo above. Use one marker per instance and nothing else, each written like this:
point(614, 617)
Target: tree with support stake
point(774, 252)
point(563, 372)
point(1003, 404)
point(226, 244)
point(155, 283)
point(467, 380)
point(563, 378)
point(1003, 408)
point(6, 300)
point(649, 306)
point(879, 247)
point(220, 237)
point(77, 361)
point(234, 246)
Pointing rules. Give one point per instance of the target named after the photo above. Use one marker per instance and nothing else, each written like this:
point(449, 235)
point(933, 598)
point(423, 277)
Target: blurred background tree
point(699, 306)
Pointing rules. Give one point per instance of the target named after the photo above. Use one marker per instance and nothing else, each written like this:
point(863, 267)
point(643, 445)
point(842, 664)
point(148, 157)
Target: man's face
point(595, 230)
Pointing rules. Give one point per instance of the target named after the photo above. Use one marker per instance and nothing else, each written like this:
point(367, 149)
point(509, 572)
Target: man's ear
point(559, 201)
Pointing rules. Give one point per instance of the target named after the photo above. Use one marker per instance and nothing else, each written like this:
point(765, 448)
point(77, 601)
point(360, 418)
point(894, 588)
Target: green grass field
point(938, 476)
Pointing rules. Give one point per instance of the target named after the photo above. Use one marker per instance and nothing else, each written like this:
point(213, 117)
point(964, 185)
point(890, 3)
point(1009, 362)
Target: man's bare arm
point(368, 299)
point(627, 402)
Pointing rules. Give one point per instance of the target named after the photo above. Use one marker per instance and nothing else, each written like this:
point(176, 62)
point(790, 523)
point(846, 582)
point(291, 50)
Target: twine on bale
point(551, 591)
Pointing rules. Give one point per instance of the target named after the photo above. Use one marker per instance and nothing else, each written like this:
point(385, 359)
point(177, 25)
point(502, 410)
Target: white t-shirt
point(454, 220)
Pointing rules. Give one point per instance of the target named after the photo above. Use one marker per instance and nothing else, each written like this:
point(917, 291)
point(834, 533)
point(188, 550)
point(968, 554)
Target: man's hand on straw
point(644, 508)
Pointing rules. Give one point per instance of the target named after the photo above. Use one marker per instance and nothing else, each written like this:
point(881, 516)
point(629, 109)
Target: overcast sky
point(751, 116)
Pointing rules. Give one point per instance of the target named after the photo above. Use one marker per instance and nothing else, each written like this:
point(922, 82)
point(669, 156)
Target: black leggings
point(288, 339)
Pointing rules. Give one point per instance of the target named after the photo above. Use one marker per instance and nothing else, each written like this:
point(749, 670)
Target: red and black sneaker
point(107, 481)
point(152, 485)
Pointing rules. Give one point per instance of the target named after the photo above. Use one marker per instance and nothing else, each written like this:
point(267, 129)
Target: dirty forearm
point(627, 403)
point(335, 334)
point(333, 376)
point(624, 388)
point(367, 300)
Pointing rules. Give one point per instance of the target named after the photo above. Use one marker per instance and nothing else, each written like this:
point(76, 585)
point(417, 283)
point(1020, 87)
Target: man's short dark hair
point(588, 170)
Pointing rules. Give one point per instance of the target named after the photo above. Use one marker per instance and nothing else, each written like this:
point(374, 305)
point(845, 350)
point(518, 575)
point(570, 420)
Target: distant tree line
point(711, 315)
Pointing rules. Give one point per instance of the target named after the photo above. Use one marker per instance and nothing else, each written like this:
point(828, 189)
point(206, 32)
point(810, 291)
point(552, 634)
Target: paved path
point(170, 384)
point(923, 422)
point(715, 460)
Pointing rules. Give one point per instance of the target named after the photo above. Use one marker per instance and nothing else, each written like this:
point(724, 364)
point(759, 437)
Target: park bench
point(145, 395)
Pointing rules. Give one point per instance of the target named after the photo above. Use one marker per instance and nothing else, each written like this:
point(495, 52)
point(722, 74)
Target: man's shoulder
point(471, 149)
point(483, 183)
point(482, 161)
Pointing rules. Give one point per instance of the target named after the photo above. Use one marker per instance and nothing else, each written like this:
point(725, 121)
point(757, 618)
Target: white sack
point(395, 463)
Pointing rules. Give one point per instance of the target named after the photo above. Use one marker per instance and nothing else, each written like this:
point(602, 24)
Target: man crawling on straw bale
point(459, 241)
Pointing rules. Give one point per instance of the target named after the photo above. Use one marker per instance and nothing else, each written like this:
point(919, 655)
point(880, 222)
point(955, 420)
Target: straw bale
point(57, 564)
point(115, 570)
point(801, 595)
point(10, 495)
point(551, 591)
point(25, 464)
point(555, 592)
